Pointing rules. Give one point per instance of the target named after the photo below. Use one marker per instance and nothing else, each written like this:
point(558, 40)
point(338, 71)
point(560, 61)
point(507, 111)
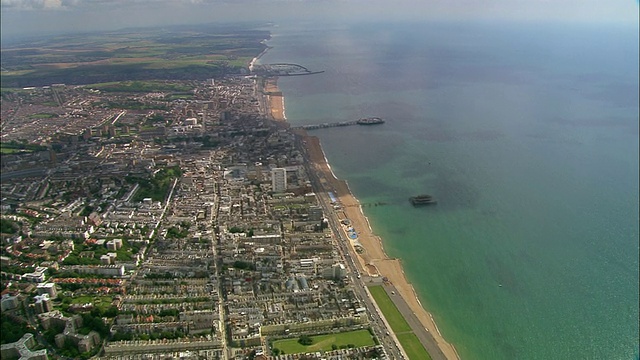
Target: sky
point(46, 17)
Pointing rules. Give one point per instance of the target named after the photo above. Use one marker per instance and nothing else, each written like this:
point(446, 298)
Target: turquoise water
point(528, 138)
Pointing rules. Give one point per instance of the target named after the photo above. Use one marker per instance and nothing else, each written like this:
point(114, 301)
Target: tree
point(8, 226)
point(235, 229)
point(12, 330)
point(243, 265)
point(305, 340)
point(111, 312)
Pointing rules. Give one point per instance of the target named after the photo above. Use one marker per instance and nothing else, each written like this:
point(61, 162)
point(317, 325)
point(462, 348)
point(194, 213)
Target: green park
point(327, 342)
point(408, 340)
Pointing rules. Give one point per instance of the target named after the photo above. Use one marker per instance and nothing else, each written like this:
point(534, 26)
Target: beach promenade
point(373, 261)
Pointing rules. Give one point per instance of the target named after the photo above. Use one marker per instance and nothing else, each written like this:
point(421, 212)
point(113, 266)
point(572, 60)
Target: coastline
point(373, 261)
point(275, 100)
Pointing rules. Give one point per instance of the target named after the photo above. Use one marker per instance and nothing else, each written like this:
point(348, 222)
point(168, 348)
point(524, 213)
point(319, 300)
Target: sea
point(527, 136)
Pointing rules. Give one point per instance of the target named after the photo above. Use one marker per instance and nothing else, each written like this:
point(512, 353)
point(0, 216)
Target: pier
point(325, 125)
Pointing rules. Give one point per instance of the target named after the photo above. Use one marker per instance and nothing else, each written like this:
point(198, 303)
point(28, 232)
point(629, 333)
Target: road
point(423, 334)
point(379, 325)
point(118, 117)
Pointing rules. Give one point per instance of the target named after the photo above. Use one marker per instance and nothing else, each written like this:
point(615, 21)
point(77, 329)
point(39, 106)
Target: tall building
point(47, 288)
point(337, 271)
point(43, 303)
point(87, 134)
point(279, 180)
point(258, 167)
point(9, 302)
point(21, 349)
point(315, 213)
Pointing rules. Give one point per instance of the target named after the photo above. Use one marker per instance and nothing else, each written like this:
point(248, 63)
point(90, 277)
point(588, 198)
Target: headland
point(372, 262)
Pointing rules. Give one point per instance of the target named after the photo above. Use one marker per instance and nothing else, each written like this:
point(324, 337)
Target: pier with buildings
point(363, 121)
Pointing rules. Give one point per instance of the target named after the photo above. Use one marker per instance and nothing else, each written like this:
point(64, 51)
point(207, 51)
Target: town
point(172, 219)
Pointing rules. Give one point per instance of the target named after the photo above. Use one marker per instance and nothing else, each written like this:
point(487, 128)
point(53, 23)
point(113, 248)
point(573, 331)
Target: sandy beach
point(373, 260)
point(275, 100)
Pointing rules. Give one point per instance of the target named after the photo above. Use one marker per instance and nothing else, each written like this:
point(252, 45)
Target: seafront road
point(424, 336)
point(373, 260)
point(426, 339)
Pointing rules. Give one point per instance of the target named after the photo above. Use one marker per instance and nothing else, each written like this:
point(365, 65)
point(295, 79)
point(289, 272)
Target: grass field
point(389, 309)
point(42, 116)
point(15, 147)
point(356, 338)
point(412, 346)
point(4, 150)
point(102, 302)
point(409, 341)
point(139, 86)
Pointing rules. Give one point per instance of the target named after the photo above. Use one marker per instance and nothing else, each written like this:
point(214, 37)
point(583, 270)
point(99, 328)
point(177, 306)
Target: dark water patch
point(621, 92)
point(592, 122)
point(394, 112)
point(542, 137)
point(434, 133)
point(452, 194)
point(625, 95)
point(491, 213)
point(370, 151)
point(438, 130)
point(382, 191)
point(502, 340)
point(399, 231)
point(525, 257)
point(605, 122)
point(482, 135)
point(462, 283)
point(482, 74)
point(504, 276)
point(418, 168)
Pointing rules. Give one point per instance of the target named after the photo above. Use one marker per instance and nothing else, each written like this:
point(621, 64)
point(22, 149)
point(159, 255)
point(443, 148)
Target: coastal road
point(348, 254)
point(378, 325)
point(425, 337)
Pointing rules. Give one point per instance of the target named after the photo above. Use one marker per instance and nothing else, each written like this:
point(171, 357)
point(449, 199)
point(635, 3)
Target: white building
point(115, 244)
point(43, 303)
point(337, 271)
point(9, 302)
point(47, 288)
point(279, 180)
point(37, 276)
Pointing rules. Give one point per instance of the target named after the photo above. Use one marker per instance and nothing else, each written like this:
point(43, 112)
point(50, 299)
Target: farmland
point(184, 53)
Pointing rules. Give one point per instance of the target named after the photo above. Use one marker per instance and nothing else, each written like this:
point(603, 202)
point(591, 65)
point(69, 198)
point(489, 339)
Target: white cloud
point(52, 3)
point(49, 16)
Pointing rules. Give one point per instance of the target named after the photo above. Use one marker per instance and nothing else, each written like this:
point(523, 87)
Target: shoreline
point(255, 59)
point(374, 257)
point(274, 99)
